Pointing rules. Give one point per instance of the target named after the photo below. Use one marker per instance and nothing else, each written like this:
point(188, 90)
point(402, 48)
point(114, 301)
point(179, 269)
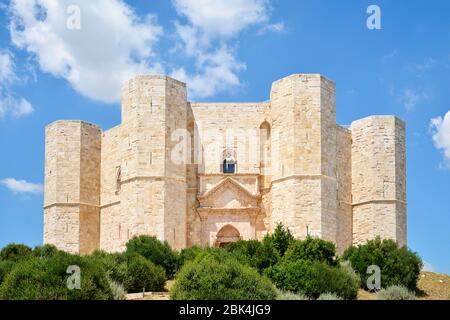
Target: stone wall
point(304, 155)
point(72, 186)
point(378, 177)
point(344, 195)
point(145, 175)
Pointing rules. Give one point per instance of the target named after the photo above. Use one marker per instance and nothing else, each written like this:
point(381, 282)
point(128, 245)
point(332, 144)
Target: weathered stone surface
point(160, 171)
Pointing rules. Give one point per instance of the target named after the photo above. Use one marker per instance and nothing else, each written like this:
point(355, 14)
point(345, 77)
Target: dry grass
point(432, 286)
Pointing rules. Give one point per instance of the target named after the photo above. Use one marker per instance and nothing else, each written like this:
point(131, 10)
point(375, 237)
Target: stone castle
point(212, 173)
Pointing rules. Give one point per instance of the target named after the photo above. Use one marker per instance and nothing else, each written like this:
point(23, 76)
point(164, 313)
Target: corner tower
point(379, 179)
point(304, 187)
point(152, 183)
point(72, 186)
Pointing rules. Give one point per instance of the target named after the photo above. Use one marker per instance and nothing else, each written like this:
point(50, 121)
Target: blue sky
point(225, 51)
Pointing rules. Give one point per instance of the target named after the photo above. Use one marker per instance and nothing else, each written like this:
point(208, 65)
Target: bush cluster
point(131, 270)
point(399, 265)
point(279, 267)
point(314, 278)
point(311, 249)
point(36, 278)
point(41, 274)
point(160, 253)
point(219, 276)
point(258, 255)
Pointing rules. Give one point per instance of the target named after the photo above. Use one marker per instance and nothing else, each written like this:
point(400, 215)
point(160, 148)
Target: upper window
point(229, 166)
point(229, 161)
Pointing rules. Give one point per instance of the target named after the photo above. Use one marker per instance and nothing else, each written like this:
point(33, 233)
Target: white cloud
point(274, 27)
point(207, 37)
point(441, 135)
point(15, 107)
point(22, 186)
point(9, 103)
point(7, 74)
point(218, 18)
point(410, 98)
point(112, 44)
point(218, 71)
point(115, 44)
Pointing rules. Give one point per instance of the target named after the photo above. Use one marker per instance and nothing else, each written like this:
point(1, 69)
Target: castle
point(212, 173)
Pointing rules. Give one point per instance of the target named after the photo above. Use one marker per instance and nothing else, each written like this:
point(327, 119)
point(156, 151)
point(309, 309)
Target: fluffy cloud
point(9, 104)
point(218, 71)
point(15, 107)
point(441, 135)
point(95, 49)
point(22, 186)
point(207, 37)
point(218, 18)
point(110, 46)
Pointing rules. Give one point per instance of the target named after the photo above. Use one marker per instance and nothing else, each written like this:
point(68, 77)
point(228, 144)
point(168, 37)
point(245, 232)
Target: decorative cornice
point(304, 177)
point(222, 184)
point(205, 212)
point(206, 175)
point(69, 204)
point(379, 201)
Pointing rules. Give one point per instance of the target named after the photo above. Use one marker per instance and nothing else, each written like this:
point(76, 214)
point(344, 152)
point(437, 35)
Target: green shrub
point(395, 293)
point(328, 296)
point(311, 249)
point(399, 266)
point(114, 264)
point(254, 253)
point(286, 295)
point(117, 289)
point(160, 253)
point(5, 268)
point(314, 278)
point(280, 239)
point(143, 275)
point(15, 252)
point(189, 254)
point(45, 251)
point(218, 276)
point(46, 279)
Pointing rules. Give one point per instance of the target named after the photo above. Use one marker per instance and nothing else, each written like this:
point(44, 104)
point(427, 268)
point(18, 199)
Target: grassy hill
point(432, 286)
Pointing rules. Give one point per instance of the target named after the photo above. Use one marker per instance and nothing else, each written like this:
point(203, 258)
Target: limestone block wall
point(344, 211)
point(346, 185)
point(149, 197)
point(72, 186)
point(378, 179)
point(213, 127)
point(232, 125)
point(304, 155)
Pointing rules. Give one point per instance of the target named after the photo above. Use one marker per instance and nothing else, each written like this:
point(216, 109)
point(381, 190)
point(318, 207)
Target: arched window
point(229, 164)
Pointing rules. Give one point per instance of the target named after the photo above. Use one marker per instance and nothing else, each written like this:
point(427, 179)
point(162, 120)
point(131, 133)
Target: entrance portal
point(227, 235)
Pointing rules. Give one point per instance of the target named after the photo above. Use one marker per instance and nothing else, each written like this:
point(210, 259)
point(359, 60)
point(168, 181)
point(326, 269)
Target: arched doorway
point(227, 235)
